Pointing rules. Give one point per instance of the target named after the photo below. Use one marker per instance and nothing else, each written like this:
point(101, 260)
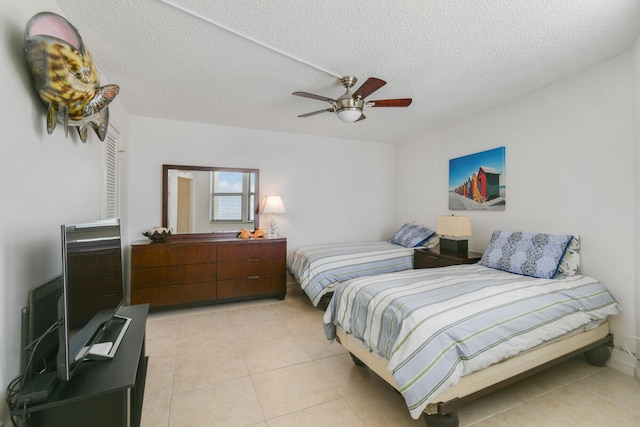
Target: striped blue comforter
point(320, 268)
point(437, 325)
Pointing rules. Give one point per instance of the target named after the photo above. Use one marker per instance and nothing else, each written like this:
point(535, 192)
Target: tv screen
point(92, 289)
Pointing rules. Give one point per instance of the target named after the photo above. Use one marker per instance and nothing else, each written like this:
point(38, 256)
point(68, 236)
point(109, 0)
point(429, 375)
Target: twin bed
point(445, 336)
point(320, 268)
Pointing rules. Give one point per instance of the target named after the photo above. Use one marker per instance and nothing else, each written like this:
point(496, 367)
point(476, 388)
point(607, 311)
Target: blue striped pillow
point(411, 235)
point(529, 254)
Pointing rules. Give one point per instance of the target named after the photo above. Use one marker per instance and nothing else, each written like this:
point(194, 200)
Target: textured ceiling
point(236, 63)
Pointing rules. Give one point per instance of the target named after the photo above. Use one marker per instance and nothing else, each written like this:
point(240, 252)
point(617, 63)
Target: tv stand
point(107, 393)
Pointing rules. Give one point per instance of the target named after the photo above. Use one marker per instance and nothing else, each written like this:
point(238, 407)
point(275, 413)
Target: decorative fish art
point(65, 76)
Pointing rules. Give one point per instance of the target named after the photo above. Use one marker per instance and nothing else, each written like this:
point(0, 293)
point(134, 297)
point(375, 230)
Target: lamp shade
point(450, 225)
point(272, 205)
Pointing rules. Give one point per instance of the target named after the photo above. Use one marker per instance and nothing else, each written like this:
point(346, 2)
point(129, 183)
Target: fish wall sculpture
point(65, 76)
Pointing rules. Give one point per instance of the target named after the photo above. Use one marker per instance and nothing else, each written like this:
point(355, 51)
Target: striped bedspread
point(319, 268)
point(437, 325)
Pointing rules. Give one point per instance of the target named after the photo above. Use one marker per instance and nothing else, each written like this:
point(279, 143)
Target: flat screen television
point(92, 293)
point(40, 318)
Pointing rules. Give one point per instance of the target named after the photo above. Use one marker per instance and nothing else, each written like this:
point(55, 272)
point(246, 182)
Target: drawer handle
point(254, 259)
point(253, 277)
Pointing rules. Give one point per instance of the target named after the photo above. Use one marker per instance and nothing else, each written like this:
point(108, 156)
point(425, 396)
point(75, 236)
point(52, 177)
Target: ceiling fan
point(349, 106)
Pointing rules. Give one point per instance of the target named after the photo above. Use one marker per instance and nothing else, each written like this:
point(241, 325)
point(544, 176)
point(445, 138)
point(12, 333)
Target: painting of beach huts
point(477, 181)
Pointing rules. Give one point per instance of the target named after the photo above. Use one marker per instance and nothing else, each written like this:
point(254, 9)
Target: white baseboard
point(623, 363)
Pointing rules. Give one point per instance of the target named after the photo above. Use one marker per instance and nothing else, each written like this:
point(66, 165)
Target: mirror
point(200, 199)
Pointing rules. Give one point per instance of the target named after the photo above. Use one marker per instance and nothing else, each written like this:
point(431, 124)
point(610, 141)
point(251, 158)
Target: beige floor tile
point(252, 315)
point(490, 405)
point(552, 379)
point(272, 354)
point(212, 322)
point(162, 347)
point(267, 330)
point(165, 326)
point(155, 411)
point(208, 367)
point(294, 307)
point(317, 346)
point(341, 370)
point(574, 405)
point(335, 413)
point(267, 363)
point(520, 416)
point(229, 404)
point(199, 342)
point(292, 388)
point(615, 386)
point(376, 402)
point(305, 323)
point(159, 380)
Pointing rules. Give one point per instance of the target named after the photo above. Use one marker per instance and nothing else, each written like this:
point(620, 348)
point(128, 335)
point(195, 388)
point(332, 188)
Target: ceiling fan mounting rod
point(258, 42)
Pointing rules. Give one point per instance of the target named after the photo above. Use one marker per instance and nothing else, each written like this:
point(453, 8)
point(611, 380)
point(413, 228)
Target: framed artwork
point(477, 181)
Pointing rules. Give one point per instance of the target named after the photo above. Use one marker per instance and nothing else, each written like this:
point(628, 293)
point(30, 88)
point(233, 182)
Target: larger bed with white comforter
point(435, 326)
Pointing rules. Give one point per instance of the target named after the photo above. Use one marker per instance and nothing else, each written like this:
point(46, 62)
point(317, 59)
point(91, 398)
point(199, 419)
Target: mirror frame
point(222, 234)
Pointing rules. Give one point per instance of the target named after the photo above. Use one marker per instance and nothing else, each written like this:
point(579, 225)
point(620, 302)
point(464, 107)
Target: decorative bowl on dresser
point(186, 270)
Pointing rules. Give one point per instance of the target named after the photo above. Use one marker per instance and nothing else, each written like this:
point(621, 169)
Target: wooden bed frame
point(595, 344)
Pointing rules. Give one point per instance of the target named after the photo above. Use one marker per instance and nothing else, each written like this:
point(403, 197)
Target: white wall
point(333, 189)
point(569, 168)
point(636, 134)
point(47, 180)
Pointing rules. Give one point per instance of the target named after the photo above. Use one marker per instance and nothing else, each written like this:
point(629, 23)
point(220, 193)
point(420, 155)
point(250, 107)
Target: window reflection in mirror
point(209, 199)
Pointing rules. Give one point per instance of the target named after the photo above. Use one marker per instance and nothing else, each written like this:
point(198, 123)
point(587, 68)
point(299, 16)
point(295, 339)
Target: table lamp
point(272, 205)
point(452, 230)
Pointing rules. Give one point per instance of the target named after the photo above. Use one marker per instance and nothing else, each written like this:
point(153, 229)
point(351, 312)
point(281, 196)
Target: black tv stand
point(107, 393)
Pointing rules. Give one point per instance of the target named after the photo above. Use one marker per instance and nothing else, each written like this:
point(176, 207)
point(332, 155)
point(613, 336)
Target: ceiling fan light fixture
point(349, 114)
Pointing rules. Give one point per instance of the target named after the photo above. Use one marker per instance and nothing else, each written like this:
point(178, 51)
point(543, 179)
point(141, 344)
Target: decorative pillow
point(432, 242)
point(411, 235)
point(529, 254)
point(570, 263)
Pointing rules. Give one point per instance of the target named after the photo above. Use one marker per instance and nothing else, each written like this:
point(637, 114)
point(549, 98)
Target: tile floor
point(266, 363)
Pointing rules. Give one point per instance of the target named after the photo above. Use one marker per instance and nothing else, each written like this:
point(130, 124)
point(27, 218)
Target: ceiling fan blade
point(312, 96)
point(371, 85)
point(328, 110)
point(362, 117)
point(401, 102)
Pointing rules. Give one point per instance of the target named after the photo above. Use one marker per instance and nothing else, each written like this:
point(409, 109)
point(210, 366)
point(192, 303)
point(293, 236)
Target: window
point(232, 196)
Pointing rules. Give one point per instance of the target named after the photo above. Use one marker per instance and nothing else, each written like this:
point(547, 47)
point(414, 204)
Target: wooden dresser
point(197, 270)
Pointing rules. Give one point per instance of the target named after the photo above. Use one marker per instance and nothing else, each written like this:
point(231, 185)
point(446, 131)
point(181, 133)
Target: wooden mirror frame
point(221, 234)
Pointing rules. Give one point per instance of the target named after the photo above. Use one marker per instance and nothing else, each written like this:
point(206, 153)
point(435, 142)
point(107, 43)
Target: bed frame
point(596, 344)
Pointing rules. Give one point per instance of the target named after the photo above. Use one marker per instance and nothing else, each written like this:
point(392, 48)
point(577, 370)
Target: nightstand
point(429, 258)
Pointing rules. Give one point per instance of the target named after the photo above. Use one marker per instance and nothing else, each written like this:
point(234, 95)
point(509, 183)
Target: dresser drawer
point(177, 294)
point(251, 251)
point(153, 255)
point(158, 255)
point(251, 269)
point(197, 254)
point(172, 275)
point(251, 286)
